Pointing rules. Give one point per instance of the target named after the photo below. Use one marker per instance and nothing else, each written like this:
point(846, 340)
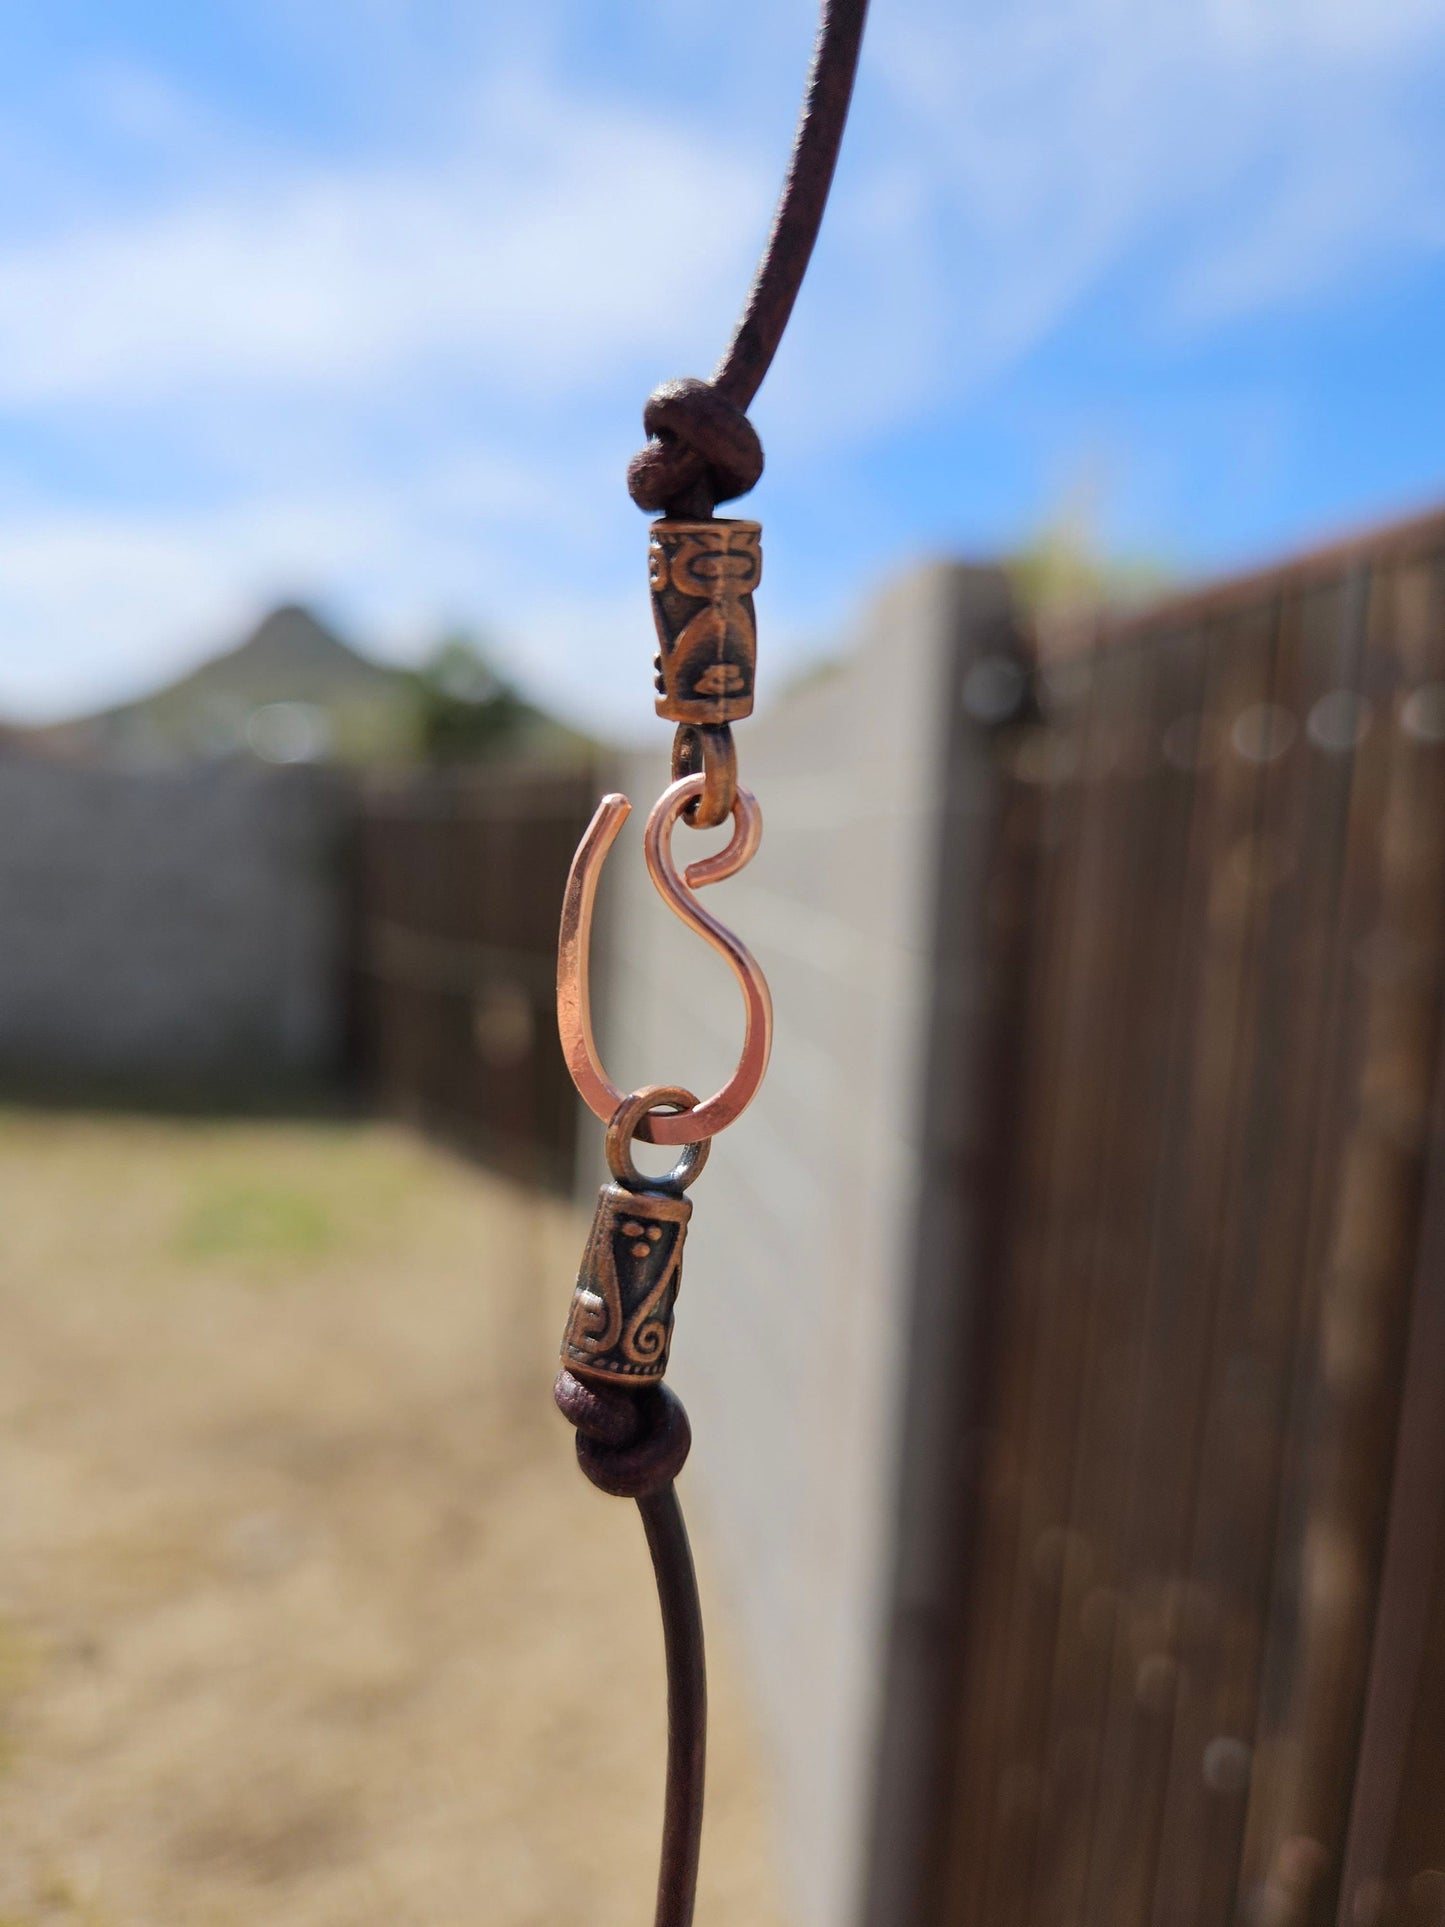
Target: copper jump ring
point(622, 1129)
point(709, 749)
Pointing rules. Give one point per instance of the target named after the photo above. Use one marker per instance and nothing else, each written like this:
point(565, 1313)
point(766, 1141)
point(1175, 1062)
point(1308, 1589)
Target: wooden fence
point(1202, 1674)
point(458, 880)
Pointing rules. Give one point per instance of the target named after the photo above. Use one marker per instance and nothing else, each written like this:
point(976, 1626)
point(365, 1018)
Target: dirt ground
point(306, 1616)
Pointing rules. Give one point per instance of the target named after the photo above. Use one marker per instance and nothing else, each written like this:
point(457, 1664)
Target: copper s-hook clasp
point(574, 1011)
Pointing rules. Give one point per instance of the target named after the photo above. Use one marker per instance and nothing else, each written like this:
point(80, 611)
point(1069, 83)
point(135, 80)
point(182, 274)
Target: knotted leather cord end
point(703, 450)
point(631, 1445)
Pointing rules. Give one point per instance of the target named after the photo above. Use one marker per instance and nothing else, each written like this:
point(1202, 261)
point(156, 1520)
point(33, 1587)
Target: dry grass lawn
point(306, 1616)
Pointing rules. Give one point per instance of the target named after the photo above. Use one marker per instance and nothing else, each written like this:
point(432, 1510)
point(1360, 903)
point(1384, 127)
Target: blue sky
point(360, 299)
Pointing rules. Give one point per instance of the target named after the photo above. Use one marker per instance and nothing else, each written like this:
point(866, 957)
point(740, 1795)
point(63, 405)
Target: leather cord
point(702, 448)
point(633, 1446)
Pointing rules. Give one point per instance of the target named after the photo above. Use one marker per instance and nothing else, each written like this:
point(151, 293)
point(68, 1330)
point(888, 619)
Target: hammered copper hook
point(574, 1008)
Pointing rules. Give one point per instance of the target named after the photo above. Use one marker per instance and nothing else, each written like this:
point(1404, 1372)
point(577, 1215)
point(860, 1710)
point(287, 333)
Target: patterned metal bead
point(702, 576)
point(620, 1324)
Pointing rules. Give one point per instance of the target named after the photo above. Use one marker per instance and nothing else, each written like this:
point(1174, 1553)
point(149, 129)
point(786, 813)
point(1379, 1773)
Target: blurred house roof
point(292, 692)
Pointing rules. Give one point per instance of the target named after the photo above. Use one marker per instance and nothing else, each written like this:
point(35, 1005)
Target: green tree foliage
point(1065, 570)
point(466, 711)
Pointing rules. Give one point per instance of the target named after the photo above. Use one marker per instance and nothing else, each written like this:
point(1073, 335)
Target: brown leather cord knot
point(630, 1444)
point(609, 1417)
point(702, 446)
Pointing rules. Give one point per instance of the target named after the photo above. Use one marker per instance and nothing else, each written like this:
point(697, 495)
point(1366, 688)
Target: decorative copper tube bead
point(702, 576)
point(620, 1325)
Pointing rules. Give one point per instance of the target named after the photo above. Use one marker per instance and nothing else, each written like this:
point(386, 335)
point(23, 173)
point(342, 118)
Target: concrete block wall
point(169, 929)
point(796, 1313)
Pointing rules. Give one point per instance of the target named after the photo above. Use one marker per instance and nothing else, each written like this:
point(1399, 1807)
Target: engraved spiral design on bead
point(647, 1336)
point(645, 1340)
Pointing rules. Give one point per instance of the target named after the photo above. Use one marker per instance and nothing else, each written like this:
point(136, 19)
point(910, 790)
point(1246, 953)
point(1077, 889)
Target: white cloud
point(1013, 161)
point(1264, 147)
point(572, 236)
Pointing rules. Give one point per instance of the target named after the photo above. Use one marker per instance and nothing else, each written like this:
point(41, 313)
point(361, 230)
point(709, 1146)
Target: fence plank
point(458, 887)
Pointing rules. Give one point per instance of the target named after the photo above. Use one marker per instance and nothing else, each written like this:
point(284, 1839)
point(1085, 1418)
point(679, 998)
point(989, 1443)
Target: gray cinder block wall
point(169, 929)
point(802, 1315)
